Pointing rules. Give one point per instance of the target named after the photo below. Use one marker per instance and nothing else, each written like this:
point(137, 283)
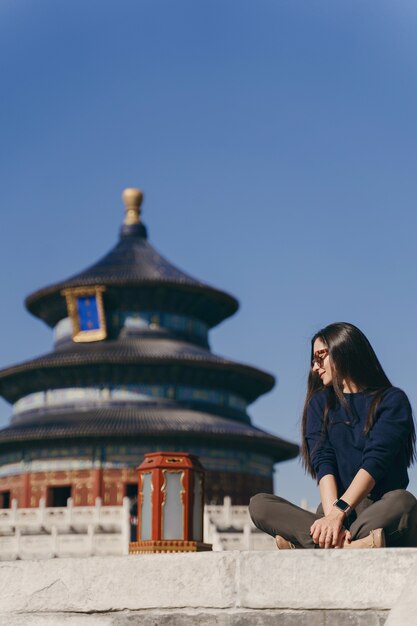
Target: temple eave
point(142, 424)
point(66, 369)
point(206, 303)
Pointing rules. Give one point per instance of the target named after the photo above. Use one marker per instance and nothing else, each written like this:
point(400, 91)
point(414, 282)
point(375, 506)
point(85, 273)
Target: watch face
point(342, 505)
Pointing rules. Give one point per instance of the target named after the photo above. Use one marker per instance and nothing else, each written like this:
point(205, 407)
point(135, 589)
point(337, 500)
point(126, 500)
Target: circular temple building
point(131, 372)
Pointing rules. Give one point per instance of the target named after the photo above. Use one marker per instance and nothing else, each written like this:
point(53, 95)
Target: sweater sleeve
point(388, 434)
point(322, 455)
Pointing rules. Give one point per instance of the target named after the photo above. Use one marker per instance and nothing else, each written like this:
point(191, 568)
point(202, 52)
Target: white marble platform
point(315, 587)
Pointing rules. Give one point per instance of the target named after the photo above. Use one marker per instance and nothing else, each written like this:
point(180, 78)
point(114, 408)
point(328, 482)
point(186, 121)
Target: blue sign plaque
point(88, 314)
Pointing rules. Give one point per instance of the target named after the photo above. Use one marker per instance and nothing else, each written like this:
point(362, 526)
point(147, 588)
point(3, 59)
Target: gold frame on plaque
point(71, 295)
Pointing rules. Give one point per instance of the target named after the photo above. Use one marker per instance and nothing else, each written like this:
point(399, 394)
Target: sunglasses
point(319, 356)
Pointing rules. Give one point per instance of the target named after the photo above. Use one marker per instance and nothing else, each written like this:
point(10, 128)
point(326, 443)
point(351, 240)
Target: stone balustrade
point(47, 532)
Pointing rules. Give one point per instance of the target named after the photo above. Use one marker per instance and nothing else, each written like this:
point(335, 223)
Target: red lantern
point(170, 504)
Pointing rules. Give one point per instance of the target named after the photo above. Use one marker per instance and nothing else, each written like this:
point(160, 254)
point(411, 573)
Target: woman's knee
point(263, 505)
point(403, 499)
point(257, 505)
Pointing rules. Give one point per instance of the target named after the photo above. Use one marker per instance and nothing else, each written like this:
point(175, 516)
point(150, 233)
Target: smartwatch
point(342, 506)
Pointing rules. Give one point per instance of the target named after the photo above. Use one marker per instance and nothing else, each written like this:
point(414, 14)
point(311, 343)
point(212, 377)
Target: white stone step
point(314, 587)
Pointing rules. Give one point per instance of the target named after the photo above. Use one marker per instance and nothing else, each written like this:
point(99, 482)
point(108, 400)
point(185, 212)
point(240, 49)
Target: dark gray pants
point(395, 512)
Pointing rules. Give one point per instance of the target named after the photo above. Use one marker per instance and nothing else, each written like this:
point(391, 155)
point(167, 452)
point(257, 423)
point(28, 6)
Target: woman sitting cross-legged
point(358, 439)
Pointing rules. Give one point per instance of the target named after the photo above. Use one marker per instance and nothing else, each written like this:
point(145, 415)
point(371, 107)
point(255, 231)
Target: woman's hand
point(328, 531)
point(347, 539)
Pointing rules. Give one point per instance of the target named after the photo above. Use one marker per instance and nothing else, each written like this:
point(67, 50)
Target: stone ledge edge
point(254, 581)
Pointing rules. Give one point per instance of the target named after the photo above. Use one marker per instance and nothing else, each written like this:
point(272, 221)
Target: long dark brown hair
point(352, 358)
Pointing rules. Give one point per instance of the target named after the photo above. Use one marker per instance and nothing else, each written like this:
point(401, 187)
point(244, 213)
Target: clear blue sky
point(275, 141)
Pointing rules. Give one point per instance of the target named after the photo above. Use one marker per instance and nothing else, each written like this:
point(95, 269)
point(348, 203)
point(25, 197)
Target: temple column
point(26, 491)
point(97, 483)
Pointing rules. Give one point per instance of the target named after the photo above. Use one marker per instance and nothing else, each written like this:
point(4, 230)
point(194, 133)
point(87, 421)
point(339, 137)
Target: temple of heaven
point(131, 372)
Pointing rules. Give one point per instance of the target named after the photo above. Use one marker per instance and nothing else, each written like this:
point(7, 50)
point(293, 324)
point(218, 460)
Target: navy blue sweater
point(344, 448)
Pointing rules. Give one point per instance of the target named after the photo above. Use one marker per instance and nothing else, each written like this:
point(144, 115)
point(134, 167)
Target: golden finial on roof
point(132, 198)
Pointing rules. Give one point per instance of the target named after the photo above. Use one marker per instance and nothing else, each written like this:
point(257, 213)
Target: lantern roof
point(132, 264)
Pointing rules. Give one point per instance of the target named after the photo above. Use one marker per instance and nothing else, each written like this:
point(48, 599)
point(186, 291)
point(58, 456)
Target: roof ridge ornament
point(132, 198)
